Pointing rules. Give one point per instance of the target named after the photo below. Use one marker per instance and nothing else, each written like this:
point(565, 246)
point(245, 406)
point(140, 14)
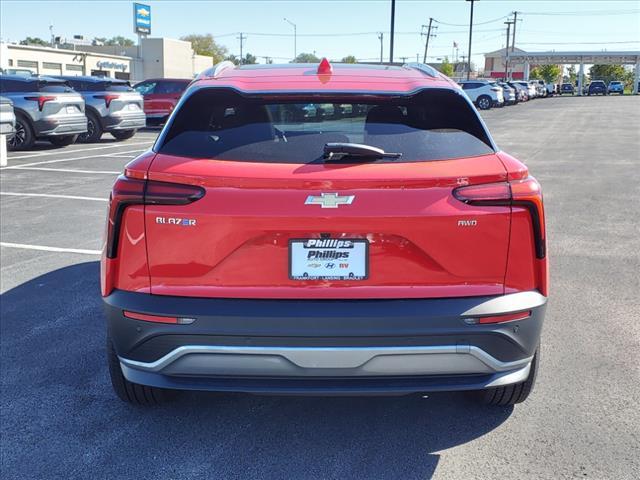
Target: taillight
point(107, 98)
point(41, 99)
point(496, 89)
point(520, 193)
point(134, 191)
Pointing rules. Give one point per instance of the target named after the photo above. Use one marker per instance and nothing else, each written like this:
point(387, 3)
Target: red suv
point(389, 247)
point(160, 97)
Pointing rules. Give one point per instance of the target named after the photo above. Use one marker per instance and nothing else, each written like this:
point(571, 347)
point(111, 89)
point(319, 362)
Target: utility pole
point(381, 38)
point(429, 35)
point(295, 38)
point(515, 20)
point(508, 23)
point(470, 34)
point(267, 59)
point(242, 38)
point(404, 59)
point(393, 22)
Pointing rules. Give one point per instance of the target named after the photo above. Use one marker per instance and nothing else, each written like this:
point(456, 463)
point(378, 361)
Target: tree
point(119, 41)
point(249, 59)
point(349, 59)
point(34, 41)
point(306, 58)
point(548, 73)
point(608, 73)
point(206, 45)
point(446, 68)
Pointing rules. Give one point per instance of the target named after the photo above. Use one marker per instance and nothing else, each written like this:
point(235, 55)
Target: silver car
point(45, 108)
point(7, 117)
point(111, 105)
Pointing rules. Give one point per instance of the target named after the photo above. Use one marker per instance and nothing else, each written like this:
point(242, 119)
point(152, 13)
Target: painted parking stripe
point(47, 162)
point(80, 150)
point(50, 249)
point(68, 170)
point(51, 195)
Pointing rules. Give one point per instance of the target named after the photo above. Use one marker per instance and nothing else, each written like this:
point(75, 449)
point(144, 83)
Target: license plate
point(71, 109)
point(328, 259)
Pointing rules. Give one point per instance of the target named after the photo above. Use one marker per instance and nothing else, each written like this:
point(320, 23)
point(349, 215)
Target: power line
point(477, 23)
point(586, 13)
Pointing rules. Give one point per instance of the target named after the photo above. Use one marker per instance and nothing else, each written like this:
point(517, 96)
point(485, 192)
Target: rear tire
point(23, 138)
point(130, 392)
point(94, 129)
point(511, 394)
point(123, 134)
point(63, 140)
point(484, 102)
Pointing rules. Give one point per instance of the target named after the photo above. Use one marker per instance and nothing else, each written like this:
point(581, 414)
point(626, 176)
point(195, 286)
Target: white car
point(533, 92)
point(483, 94)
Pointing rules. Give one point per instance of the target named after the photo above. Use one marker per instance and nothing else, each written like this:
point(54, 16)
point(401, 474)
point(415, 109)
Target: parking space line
point(51, 195)
point(50, 249)
point(69, 170)
point(46, 162)
point(44, 154)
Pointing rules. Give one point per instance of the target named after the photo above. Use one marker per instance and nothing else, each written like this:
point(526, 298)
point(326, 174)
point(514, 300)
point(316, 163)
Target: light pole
point(295, 38)
point(393, 27)
point(470, 32)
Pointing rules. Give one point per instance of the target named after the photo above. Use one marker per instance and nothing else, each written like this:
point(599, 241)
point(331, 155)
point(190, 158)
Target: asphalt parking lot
point(60, 419)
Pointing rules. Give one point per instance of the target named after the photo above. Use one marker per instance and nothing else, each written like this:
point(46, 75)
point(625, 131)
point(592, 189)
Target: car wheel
point(128, 391)
point(484, 102)
point(511, 394)
point(63, 140)
point(94, 130)
point(123, 134)
point(23, 138)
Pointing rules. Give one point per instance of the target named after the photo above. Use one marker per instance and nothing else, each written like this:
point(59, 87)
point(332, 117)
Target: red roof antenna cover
point(325, 67)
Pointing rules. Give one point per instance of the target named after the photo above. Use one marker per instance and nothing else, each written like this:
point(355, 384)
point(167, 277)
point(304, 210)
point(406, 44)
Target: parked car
point(597, 87)
point(585, 88)
point(483, 94)
point(616, 87)
point(45, 108)
point(111, 105)
point(509, 93)
point(268, 266)
point(160, 97)
point(531, 89)
point(541, 88)
point(566, 88)
point(7, 117)
point(522, 91)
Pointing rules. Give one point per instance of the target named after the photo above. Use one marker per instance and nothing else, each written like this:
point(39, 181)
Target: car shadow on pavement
point(60, 419)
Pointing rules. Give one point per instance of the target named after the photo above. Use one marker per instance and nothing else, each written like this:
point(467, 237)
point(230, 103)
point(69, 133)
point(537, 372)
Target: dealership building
point(152, 58)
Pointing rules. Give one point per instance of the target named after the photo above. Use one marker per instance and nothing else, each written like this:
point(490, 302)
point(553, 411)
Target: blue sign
point(141, 18)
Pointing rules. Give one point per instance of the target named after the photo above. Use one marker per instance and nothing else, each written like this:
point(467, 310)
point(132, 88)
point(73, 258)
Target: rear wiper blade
point(340, 150)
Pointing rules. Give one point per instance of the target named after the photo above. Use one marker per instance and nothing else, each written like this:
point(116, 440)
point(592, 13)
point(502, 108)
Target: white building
point(153, 58)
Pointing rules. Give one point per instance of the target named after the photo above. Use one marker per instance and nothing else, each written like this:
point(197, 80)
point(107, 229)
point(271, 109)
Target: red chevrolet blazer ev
point(324, 229)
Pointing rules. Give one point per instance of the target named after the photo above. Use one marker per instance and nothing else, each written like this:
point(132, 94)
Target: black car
point(597, 87)
point(566, 88)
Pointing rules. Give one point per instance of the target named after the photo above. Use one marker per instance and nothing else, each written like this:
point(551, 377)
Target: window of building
point(100, 73)
point(73, 68)
point(52, 66)
point(122, 75)
point(27, 64)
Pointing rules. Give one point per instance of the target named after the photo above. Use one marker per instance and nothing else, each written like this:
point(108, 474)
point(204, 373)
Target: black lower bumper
point(238, 326)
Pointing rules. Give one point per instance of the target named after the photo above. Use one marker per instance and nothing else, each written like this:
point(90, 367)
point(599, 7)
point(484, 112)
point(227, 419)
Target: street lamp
point(470, 32)
point(295, 38)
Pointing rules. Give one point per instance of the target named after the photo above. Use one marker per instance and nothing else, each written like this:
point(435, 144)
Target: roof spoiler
point(216, 70)
point(424, 68)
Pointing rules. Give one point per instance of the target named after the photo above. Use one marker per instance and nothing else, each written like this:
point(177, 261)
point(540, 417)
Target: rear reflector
point(150, 318)
point(508, 317)
point(158, 318)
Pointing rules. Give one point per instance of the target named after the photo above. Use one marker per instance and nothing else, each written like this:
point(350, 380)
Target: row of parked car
point(64, 110)
point(596, 87)
point(486, 94)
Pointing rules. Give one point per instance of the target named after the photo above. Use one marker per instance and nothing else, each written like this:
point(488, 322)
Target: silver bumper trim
point(514, 302)
point(205, 360)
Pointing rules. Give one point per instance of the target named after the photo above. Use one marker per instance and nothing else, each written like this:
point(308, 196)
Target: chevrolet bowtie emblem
point(329, 200)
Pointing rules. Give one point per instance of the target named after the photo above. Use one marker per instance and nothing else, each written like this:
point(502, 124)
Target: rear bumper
point(124, 122)
point(56, 126)
point(329, 346)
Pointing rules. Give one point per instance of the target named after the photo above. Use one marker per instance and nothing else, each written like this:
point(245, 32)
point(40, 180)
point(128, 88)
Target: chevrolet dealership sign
point(141, 18)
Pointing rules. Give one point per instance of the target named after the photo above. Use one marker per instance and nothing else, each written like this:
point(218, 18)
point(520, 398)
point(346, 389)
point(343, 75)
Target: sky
point(335, 28)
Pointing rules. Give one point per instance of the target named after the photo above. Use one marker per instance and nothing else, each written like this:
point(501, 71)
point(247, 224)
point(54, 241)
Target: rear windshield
point(85, 86)
point(223, 125)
